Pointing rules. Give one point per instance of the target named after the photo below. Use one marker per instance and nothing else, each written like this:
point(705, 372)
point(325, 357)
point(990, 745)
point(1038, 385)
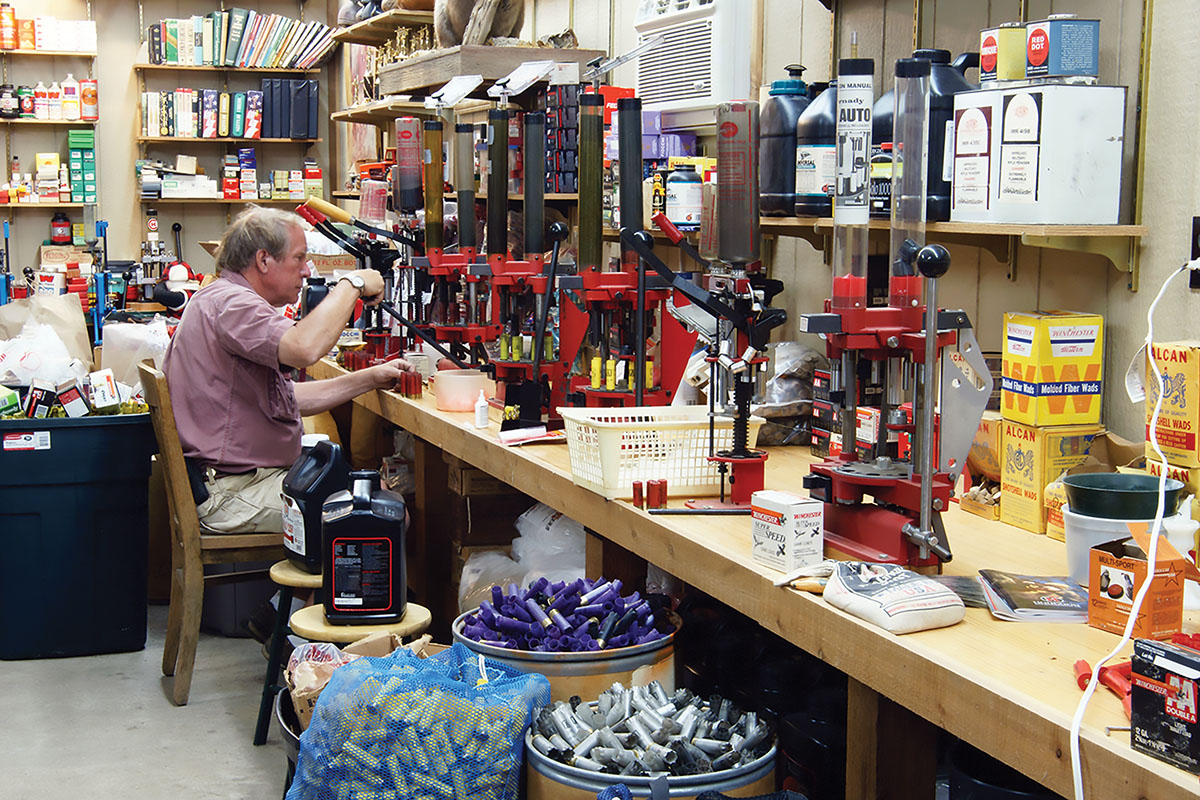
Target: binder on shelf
point(268, 130)
point(237, 121)
point(223, 115)
point(254, 115)
point(314, 103)
point(154, 49)
point(208, 113)
point(298, 121)
point(281, 112)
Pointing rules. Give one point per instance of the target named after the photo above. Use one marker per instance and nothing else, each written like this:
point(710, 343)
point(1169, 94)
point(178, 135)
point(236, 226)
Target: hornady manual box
point(1046, 154)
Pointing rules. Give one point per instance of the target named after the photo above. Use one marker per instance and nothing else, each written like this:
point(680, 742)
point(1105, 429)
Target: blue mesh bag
point(403, 727)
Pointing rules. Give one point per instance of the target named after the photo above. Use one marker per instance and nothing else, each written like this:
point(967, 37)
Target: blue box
point(1059, 47)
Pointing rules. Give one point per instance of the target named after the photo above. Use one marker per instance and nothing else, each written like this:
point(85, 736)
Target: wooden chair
point(192, 546)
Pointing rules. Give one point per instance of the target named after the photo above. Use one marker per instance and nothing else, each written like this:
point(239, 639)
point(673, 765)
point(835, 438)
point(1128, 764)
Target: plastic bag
point(407, 727)
point(550, 544)
point(38, 352)
point(126, 344)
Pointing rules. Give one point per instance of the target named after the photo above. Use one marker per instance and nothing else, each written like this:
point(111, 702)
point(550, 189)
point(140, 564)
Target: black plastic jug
point(946, 79)
point(364, 568)
point(777, 145)
point(816, 159)
point(320, 471)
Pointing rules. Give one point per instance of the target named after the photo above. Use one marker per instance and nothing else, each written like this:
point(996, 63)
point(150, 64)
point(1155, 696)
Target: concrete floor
point(104, 726)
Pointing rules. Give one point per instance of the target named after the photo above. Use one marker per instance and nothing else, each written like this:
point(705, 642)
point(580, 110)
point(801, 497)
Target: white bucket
point(1083, 533)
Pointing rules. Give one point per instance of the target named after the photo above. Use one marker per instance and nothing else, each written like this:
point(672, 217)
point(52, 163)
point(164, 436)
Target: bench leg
point(273, 665)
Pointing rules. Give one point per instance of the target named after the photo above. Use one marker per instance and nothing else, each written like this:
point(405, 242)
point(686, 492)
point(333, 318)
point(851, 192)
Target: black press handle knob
point(933, 261)
point(558, 232)
point(645, 239)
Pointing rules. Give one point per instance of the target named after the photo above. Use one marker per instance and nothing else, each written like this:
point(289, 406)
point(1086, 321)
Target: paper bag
point(62, 312)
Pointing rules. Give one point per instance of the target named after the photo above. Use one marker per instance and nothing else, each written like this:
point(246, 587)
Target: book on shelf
point(1033, 598)
point(238, 38)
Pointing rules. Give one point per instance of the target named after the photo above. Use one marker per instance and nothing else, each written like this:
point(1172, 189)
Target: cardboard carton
point(1032, 458)
point(788, 531)
point(1053, 367)
point(1163, 703)
point(1115, 575)
point(1179, 418)
point(1108, 453)
point(985, 455)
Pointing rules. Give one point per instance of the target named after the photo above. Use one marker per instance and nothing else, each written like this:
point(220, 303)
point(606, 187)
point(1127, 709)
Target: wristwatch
point(354, 280)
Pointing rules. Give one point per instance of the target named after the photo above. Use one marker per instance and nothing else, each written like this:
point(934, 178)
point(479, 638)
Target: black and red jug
point(320, 471)
point(364, 569)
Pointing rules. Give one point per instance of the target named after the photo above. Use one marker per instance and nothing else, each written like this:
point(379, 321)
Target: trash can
point(73, 535)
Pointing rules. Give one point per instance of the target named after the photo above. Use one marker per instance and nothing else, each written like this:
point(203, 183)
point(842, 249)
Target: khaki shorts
point(247, 503)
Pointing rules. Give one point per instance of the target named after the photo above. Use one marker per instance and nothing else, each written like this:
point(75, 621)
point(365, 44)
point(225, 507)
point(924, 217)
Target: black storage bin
point(73, 533)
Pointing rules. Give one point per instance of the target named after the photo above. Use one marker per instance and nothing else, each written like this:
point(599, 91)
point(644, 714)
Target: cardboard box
point(1188, 476)
point(1163, 703)
point(1047, 154)
point(787, 530)
point(104, 393)
point(72, 400)
point(985, 510)
point(40, 399)
point(487, 520)
point(1032, 458)
point(10, 401)
point(1053, 367)
point(1053, 500)
point(1179, 419)
point(1115, 576)
point(985, 454)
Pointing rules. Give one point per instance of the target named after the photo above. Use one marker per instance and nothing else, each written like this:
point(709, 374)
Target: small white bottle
point(54, 100)
point(70, 98)
point(41, 102)
point(481, 411)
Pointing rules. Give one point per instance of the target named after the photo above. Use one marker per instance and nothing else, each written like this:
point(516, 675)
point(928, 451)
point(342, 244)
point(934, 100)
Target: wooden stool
point(289, 577)
point(310, 623)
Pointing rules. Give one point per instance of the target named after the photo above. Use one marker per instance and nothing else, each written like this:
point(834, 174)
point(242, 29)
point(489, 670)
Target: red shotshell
point(656, 494)
point(637, 494)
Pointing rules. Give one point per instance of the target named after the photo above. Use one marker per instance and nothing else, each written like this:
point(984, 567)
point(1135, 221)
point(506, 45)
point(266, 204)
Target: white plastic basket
point(610, 448)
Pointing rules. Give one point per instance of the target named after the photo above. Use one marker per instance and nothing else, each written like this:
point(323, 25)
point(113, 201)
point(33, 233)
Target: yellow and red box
point(1179, 419)
point(1033, 457)
point(1053, 368)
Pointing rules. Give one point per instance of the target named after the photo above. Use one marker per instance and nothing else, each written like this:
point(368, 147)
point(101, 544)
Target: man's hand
point(372, 291)
point(387, 375)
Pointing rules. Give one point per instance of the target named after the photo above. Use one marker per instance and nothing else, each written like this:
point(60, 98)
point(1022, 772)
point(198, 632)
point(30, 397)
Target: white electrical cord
point(1077, 721)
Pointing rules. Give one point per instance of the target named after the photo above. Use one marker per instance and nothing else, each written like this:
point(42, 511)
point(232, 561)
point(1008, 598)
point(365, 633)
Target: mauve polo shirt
point(234, 406)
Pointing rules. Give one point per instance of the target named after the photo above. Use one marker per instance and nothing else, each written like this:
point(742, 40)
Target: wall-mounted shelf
point(44, 205)
point(344, 195)
point(1117, 243)
point(205, 68)
point(80, 122)
point(219, 139)
point(428, 71)
point(381, 27)
point(51, 53)
point(381, 112)
point(562, 196)
point(212, 201)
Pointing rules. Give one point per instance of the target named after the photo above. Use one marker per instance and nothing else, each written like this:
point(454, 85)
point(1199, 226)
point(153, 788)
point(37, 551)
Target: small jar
point(685, 197)
point(60, 229)
point(10, 106)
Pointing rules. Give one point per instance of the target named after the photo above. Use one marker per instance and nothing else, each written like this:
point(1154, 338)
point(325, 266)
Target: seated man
point(237, 410)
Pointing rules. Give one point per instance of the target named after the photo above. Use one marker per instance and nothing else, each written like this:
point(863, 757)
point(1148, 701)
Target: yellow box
point(1179, 419)
point(1189, 476)
point(1033, 457)
point(1053, 368)
point(1053, 499)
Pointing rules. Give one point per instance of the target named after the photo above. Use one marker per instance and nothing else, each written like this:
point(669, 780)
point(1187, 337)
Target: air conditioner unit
point(703, 60)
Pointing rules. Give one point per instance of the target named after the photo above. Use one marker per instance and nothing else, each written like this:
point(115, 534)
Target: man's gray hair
point(256, 228)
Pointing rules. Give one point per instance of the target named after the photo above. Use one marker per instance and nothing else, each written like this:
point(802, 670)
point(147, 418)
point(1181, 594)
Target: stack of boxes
point(1050, 405)
point(1178, 429)
point(827, 414)
point(81, 166)
point(561, 104)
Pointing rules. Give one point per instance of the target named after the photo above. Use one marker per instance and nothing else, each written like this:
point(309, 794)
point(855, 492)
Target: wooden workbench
point(1005, 687)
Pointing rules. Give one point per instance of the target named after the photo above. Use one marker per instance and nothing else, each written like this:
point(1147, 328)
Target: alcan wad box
point(1032, 458)
point(1053, 368)
point(1179, 419)
point(1163, 701)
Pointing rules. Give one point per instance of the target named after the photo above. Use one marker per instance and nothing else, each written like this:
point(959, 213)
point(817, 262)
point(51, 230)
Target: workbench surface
point(1005, 687)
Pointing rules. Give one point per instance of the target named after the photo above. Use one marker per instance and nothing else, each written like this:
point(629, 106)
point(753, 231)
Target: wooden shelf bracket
point(1122, 251)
